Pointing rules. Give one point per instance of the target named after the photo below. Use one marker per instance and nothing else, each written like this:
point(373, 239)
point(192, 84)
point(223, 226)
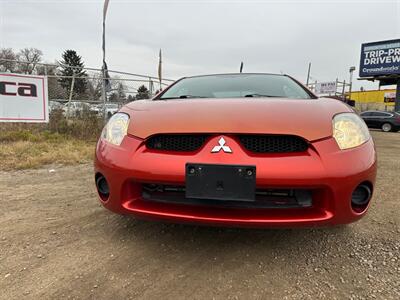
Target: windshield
point(236, 86)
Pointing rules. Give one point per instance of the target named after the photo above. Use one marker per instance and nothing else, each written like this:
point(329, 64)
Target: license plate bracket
point(220, 182)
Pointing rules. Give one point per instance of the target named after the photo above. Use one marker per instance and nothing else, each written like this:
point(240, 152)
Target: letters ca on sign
point(12, 88)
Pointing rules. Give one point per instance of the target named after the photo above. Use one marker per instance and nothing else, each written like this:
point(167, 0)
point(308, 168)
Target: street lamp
point(351, 70)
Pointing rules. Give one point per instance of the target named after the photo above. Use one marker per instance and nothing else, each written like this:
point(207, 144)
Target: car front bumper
point(330, 173)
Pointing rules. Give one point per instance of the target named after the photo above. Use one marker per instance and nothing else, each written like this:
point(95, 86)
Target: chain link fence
point(343, 93)
point(80, 99)
point(80, 91)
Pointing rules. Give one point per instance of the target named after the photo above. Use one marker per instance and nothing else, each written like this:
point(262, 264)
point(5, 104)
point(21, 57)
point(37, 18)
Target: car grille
point(176, 142)
point(253, 143)
point(264, 198)
point(273, 143)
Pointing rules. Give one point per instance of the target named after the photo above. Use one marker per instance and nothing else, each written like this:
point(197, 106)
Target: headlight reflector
point(349, 130)
point(116, 129)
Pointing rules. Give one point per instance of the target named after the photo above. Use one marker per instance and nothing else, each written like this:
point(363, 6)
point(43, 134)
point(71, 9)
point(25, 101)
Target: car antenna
point(241, 67)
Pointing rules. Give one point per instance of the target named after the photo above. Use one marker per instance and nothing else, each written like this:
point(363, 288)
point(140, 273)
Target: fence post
point(343, 90)
point(150, 87)
point(70, 94)
point(104, 95)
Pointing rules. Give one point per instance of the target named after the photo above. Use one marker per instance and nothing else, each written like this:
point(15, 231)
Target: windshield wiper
point(190, 96)
point(182, 97)
point(261, 95)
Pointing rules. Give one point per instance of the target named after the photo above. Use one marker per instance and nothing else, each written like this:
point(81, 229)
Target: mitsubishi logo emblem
point(221, 146)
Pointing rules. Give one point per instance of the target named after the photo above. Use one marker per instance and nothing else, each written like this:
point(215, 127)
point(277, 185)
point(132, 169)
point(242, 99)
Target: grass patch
point(61, 141)
point(83, 128)
point(24, 150)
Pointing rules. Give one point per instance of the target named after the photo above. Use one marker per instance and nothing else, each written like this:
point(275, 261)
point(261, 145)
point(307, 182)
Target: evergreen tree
point(142, 93)
point(71, 59)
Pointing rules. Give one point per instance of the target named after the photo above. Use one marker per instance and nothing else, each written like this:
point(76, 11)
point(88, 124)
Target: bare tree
point(7, 60)
point(54, 88)
point(121, 92)
point(30, 57)
point(94, 86)
point(118, 90)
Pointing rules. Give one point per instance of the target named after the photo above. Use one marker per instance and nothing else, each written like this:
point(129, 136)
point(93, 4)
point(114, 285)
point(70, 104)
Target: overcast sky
point(200, 37)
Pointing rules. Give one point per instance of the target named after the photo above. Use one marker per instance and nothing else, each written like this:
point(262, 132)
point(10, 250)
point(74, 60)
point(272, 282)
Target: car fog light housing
point(349, 130)
point(116, 129)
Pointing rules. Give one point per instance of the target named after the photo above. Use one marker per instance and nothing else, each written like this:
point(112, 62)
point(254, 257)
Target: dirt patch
point(56, 241)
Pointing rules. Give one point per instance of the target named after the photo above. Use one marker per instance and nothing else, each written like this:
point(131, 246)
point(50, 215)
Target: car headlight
point(349, 130)
point(116, 129)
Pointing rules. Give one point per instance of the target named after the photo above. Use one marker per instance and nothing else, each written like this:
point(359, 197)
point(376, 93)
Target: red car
point(256, 150)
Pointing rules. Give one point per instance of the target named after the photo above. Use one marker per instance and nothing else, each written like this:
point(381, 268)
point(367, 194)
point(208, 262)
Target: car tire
point(386, 127)
point(109, 115)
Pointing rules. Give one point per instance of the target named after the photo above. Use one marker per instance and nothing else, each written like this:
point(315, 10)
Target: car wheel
point(109, 115)
point(386, 127)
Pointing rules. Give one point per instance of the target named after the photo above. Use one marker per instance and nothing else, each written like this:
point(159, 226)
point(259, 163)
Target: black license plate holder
point(220, 182)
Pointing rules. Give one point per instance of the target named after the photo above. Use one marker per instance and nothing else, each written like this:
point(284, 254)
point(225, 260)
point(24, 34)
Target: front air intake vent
point(273, 143)
point(176, 142)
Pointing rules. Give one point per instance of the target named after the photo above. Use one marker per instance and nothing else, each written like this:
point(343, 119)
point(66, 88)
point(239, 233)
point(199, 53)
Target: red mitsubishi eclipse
point(256, 150)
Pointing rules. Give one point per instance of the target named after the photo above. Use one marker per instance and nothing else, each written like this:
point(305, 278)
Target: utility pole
point(308, 74)
point(160, 69)
point(104, 68)
point(351, 70)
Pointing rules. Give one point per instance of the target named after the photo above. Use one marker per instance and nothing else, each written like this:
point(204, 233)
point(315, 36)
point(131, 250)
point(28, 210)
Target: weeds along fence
point(86, 127)
point(81, 98)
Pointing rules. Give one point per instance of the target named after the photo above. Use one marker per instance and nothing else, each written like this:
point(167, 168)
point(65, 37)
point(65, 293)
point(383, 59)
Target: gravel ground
point(56, 241)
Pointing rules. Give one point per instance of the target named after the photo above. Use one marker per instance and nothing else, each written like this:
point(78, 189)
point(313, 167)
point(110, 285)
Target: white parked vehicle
point(75, 109)
point(111, 108)
point(55, 105)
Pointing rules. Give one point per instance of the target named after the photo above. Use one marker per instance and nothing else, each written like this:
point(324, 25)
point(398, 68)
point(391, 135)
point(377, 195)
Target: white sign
point(23, 98)
point(325, 87)
point(389, 97)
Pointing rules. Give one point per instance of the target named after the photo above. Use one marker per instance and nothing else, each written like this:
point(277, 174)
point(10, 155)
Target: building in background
point(374, 100)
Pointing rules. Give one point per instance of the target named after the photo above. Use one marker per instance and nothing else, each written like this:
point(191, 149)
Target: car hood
point(308, 118)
